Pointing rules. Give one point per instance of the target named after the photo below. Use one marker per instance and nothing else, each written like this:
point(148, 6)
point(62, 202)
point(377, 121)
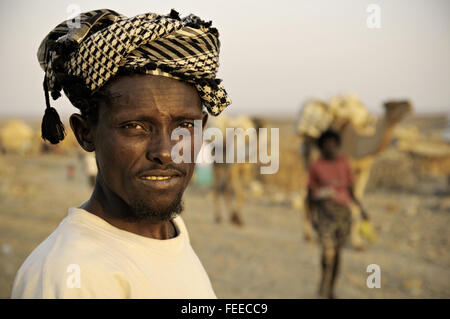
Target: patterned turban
point(81, 59)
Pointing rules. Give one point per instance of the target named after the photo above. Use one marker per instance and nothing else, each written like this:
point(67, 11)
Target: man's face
point(133, 142)
point(330, 148)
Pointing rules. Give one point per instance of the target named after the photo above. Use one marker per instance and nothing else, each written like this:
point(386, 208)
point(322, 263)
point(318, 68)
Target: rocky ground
point(268, 257)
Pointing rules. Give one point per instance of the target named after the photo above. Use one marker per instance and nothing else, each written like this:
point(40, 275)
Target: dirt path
point(268, 258)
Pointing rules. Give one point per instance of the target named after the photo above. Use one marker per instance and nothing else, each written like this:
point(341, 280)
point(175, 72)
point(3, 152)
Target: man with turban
point(135, 81)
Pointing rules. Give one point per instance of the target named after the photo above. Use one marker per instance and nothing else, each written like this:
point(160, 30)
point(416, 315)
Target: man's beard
point(143, 211)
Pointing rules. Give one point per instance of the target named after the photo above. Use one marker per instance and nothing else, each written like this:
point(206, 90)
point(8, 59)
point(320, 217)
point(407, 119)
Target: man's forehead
point(147, 93)
point(139, 84)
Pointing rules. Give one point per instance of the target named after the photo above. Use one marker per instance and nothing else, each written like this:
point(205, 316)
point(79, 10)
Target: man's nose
point(160, 146)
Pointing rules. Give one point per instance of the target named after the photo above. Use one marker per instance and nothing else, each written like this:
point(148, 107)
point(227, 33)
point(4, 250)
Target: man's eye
point(186, 125)
point(135, 126)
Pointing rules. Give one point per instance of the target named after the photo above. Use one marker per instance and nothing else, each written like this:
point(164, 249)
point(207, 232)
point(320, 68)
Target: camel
point(231, 180)
point(361, 147)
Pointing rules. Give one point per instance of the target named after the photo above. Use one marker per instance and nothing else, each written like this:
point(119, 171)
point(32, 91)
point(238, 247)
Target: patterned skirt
point(331, 221)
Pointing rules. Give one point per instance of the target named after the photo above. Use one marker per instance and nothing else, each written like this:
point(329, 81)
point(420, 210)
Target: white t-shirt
point(86, 257)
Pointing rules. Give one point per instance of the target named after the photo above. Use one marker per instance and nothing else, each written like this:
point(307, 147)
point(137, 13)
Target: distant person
point(330, 193)
point(135, 80)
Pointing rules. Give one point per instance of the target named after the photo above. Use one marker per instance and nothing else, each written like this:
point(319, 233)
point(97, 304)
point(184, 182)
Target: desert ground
point(266, 258)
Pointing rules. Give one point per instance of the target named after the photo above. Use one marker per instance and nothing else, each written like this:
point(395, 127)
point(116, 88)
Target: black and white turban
point(81, 58)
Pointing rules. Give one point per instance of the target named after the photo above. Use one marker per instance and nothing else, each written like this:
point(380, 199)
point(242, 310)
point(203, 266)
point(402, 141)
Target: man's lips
point(156, 178)
point(165, 173)
point(161, 179)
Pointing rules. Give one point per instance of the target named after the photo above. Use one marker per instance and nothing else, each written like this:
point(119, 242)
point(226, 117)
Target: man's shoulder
point(70, 238)
point(70, 247)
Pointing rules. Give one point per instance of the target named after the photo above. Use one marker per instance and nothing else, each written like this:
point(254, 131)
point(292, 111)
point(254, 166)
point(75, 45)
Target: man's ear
point(204, 120)
point(83, 131)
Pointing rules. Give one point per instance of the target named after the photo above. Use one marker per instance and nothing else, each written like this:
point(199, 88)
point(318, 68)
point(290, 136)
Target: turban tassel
point(52, 128)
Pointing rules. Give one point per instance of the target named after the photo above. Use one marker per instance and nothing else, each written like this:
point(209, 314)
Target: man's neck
point(112, 211)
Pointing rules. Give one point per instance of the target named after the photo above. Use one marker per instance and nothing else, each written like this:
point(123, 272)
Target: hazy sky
point(274, 55)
